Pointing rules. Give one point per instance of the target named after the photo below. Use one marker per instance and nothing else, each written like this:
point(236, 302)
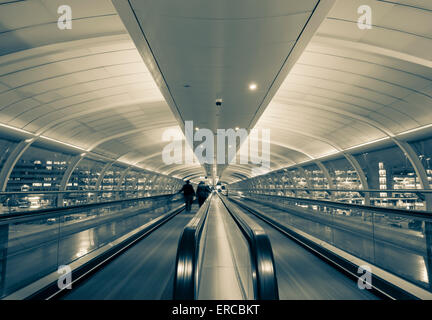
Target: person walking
point(202, 193)
point(188, 194)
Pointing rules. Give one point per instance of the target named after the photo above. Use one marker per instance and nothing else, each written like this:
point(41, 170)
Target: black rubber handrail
point(60, 210)
point(262, 260)
point(186, 268)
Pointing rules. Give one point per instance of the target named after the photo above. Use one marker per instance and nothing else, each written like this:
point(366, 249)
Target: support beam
point(290, 181)
point(66, 176)
point(102, 175)
point(119, 184)
point(11, 161)
point(304, 175)
point(354, 163)
point(328, 177)
point(418, 168)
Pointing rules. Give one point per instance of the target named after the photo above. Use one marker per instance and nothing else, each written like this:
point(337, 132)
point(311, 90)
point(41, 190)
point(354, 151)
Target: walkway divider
point(262, 261)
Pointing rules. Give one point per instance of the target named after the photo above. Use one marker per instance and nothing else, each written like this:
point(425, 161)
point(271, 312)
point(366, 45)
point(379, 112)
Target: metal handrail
point(60, 210)
point(4, 193)
point(263, 265)
point(187, 259)
point(350, 206)
point(343, 190)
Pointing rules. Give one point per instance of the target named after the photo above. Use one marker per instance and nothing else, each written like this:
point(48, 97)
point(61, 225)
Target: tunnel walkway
point(145, 269)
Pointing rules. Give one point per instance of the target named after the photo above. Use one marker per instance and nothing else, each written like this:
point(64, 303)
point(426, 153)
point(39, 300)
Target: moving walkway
point(230, 248)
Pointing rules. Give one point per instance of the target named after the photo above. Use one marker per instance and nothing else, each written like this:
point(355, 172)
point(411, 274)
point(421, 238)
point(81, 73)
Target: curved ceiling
point(353, 86)
point(89, 86)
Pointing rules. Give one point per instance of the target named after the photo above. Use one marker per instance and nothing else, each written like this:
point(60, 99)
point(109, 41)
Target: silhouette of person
point(188, 194)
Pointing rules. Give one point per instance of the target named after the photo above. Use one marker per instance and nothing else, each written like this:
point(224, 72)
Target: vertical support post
point(66, 176)
point(11, 161)
point(291, 181)
point(418, 168)
point(156, 179)
point(135, 184)
point(99, 181)
point(328, 177)
point(304, 175)
point(102, 175)
point(354, 163)
point(122, 177)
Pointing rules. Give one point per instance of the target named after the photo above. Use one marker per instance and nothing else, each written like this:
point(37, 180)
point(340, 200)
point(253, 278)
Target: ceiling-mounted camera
point(219, 102)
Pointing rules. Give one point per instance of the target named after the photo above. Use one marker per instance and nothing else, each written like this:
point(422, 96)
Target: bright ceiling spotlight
point(196, 128)
point(253, 86)
point(237, 128)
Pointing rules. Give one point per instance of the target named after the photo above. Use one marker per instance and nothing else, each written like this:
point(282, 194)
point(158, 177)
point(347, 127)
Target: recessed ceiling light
point(237, 128)
point(253, 86)
point(196, 128)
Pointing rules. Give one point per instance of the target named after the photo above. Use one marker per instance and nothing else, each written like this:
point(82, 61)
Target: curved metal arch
point(66, 176)
point(11, 161)
point(352, 96)
point(365, 185)
point(191, 176)
point(363, 76)
point(333, 110)
point(120, 182)
point(102, 174)
point(184, 172)
point(240, 167)
point(69, 73)
point(369, 48)
point(179, 167)
point(71, 86)
point(357, 168)
point(77, 115)
point(291, 148)
point(240, 176)
point(418, 167)
point(69, 106)
point(327, 176)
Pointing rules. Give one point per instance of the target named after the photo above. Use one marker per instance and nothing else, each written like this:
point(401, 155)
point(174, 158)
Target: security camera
point(218, 102)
